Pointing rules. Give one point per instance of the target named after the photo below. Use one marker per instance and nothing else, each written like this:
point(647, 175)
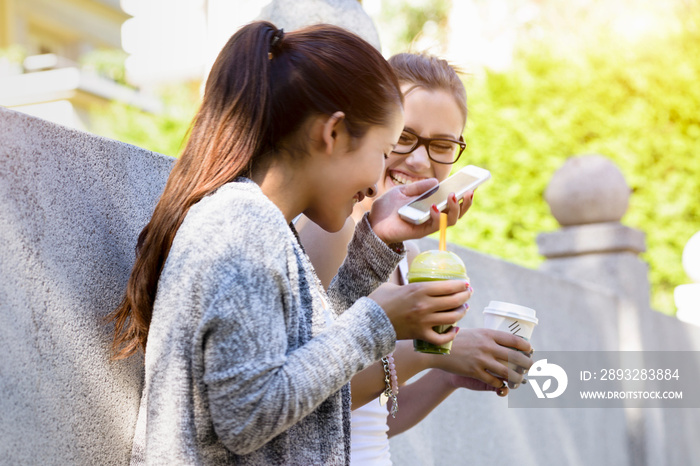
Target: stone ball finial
point(691, 257)
point(587, 189)
point(348, 14)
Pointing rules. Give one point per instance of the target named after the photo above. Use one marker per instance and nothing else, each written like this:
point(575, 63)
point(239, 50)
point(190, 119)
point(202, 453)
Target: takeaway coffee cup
point(512, 318)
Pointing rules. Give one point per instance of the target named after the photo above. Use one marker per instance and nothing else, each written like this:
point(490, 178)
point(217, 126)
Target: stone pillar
point(588, 196)
point(687, 297)
point(348, 14)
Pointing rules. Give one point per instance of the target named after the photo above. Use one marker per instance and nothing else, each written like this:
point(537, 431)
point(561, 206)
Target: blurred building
point(41, 45)
point(178, 40)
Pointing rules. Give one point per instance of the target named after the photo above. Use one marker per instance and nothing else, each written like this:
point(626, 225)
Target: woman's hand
point(460, 381)
point(483, 354)
point(391, 228)
point(416, 308)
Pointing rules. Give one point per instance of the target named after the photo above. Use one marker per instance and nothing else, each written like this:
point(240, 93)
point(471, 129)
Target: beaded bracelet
point(392, 384)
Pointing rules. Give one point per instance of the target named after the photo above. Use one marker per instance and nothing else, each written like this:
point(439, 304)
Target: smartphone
point(418, 210)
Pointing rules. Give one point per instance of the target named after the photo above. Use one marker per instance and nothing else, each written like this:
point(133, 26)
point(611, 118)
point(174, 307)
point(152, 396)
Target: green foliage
point(638, 107)
point(414, 17)
point(164, 132)
point(13, 54)
point(108, 63)
point(406, 21)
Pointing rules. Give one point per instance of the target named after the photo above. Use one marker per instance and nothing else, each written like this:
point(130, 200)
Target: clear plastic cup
point(431, 266)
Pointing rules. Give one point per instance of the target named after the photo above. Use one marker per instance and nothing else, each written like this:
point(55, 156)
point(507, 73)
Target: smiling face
point(347, 175)
point(431, 114)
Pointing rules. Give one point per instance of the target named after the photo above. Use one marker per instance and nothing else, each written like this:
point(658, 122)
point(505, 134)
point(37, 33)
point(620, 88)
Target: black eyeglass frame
point(421, 141)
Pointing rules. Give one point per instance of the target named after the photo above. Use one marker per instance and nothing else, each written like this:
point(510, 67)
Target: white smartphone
point(418, 210)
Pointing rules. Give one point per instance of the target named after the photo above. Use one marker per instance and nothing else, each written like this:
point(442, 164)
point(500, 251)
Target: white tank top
point(370, 442)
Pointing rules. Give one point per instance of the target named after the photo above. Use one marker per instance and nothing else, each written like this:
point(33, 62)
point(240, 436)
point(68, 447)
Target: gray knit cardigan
point(248, 359)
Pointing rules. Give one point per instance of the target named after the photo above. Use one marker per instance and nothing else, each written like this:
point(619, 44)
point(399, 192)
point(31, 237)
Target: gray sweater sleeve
point(259, 382)
point(368, 263)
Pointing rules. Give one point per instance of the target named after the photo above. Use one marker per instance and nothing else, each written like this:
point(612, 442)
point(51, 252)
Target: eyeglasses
point(440, 150)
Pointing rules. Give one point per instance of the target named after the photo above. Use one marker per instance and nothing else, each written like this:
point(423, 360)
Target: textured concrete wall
point(348, 14)
point(71, 207)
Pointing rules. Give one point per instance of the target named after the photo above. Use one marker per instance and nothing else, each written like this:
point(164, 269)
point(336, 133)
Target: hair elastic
point(277, 37)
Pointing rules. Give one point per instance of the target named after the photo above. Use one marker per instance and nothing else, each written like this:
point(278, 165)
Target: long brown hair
point(263, 86)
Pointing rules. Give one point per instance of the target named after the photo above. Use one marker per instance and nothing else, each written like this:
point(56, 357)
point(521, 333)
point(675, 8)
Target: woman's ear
point(331, 130)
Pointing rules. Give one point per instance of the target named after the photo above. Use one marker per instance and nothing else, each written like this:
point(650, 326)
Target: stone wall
point(71, 207)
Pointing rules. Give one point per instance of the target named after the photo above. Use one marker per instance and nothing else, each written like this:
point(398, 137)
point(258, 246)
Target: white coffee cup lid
point(511, 310)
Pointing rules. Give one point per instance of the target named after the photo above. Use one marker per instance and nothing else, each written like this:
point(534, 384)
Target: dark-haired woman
point(247, 358)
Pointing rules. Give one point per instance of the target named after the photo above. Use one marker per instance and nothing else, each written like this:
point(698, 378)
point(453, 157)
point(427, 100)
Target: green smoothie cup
point(431, 266)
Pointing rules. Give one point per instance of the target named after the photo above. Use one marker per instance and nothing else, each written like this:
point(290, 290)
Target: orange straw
point(443, 232)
